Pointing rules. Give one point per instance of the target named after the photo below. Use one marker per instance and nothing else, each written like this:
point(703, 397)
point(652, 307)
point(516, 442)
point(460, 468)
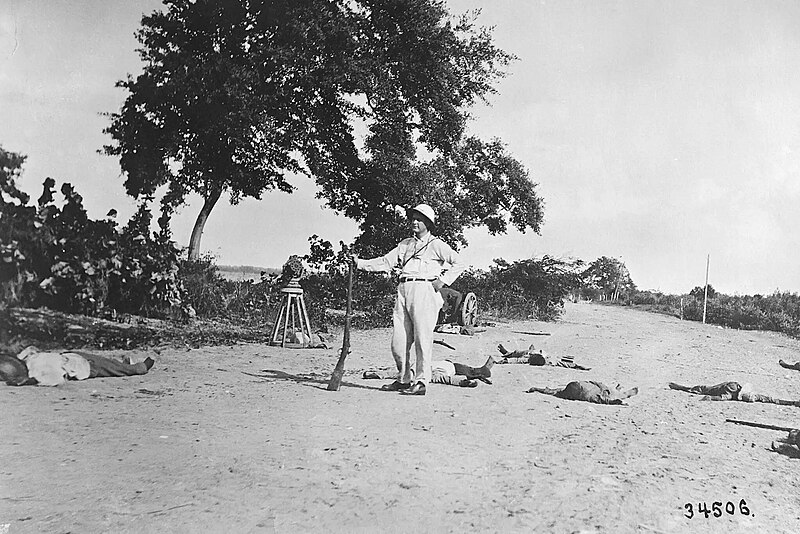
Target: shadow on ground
point(276, 374)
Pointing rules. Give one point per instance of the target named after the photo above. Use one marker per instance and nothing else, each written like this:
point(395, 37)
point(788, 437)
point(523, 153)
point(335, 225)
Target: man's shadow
point(276, 374)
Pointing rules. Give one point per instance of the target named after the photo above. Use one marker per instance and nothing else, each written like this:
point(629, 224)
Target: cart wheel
point(469, 310)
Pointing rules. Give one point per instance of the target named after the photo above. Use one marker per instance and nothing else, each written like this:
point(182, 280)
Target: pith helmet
point(426, 211)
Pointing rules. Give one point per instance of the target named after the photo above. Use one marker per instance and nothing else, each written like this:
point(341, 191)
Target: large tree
point(237, 96)
point(610, 277)
point(479, 184)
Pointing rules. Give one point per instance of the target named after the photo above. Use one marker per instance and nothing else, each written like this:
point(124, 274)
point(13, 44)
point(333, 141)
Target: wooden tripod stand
point(292, 306)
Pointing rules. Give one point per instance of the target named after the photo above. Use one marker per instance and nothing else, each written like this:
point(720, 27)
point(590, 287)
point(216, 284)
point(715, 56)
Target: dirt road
point(246, 438)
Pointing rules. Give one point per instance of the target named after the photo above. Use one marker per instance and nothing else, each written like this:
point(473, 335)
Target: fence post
point(705, 291)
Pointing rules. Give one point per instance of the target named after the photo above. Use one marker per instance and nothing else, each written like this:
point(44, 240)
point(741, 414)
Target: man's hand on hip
point(437, 284)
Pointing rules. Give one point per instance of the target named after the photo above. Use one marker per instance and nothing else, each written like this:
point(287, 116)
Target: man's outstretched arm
point(546, 391)
point(794, 366)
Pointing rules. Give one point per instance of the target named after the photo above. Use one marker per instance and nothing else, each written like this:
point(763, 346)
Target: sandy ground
point(246, 438)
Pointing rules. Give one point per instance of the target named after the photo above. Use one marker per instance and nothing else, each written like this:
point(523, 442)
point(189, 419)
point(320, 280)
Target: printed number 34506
point(716, 509)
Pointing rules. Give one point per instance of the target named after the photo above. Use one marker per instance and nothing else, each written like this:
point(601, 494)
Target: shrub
point(58, 257)
point(523, 289)
point(326, 287)
point(204, 289)
point(210, 295)
point(779, 312)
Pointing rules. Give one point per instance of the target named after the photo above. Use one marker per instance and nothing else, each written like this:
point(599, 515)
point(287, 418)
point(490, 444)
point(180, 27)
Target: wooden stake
point(759, 425)
point(444, 344)
point(531, 333)
point(705, 291)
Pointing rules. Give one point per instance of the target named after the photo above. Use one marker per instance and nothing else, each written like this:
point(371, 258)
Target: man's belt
point(408, 279)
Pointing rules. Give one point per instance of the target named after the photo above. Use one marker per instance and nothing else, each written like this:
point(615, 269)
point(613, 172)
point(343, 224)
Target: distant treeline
point(53, 255)
point(240, 272)
point(527, 289)
point(778, 312)
point(607, 280)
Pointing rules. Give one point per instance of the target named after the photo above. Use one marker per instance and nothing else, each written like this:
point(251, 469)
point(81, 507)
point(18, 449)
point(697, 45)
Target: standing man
point(426, 264)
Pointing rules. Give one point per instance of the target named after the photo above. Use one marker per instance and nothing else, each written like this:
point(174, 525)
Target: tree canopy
point(479, 184)
point(10, 169)
point(609, 276)
point(237, 96)
point(699, 292)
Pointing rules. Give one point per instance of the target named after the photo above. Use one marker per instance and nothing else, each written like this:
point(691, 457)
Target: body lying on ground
point(452, 373)
point(731, 391)
point(534, 356)
point(35, 367)
point(795, 366)
point(589, 391)
point(789, 445)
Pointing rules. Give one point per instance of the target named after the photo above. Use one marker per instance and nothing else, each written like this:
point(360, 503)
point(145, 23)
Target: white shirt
point(53, 368)
point(428, 257)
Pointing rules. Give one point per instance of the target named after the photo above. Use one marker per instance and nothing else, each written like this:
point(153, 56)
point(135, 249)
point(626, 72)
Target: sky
point(664, 134)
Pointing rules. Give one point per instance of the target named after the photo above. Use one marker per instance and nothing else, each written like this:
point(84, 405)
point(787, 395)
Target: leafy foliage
point(326, 287)
point(210, 295)
point(779, 312)
point(699, 292)
point(656, 301)
point(533, 288)
point(607, 279)
point(234, 96)
point(58, 257)
point(478, 185)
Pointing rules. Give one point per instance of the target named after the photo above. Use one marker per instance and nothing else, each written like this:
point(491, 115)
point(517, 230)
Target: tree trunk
point(200, 223)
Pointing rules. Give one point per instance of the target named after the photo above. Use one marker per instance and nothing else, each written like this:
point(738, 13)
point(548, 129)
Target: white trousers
point(416, 310)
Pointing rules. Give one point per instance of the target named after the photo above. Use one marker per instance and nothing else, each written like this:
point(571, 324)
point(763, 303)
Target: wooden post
point(705, 291)
point(760, 425)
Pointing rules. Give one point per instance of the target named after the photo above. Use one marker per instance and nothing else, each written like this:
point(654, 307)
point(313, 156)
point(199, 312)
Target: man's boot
point(482, 373)
point(467, 383)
